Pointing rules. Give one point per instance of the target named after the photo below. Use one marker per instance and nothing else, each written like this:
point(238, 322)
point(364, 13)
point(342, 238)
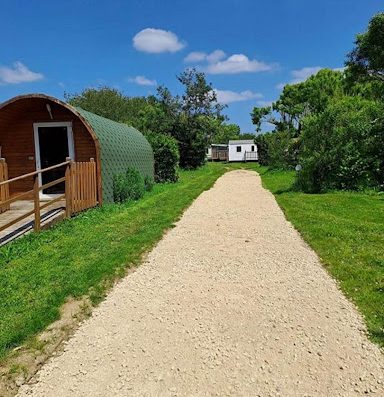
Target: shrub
point(166, 154)
point(343, 147)
point(148, 183)
point(278, 149)
point(128, 186)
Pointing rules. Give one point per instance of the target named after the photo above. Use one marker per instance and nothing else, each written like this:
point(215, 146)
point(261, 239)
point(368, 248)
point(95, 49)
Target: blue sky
point(248, 48)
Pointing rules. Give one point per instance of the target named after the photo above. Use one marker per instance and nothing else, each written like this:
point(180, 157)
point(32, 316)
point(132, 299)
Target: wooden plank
point(89, 185)
point(83, 185)
point(15, 198)
point(36, 203)
point(18, 219)
point(4, 189)
point(94, 187)
point(68, 201)
point(80, 196)
point(55, 182)
point(33, 173)
point(50, 202)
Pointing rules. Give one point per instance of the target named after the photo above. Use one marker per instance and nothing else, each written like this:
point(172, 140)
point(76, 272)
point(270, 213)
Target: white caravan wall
point(233, 155)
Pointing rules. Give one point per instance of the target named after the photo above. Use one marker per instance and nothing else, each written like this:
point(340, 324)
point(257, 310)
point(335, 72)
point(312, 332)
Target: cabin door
point(53, 144)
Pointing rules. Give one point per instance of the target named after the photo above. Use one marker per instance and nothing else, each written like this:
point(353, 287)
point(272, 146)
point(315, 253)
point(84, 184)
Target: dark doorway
point(53, 142)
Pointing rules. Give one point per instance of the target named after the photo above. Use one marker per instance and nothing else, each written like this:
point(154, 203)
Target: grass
point(39, 272)
point(82, 256)
point(346, 229)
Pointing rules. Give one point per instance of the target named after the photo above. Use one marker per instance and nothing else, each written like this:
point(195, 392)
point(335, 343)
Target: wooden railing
point(250, 156)
point(4, 189)
point(80, 191)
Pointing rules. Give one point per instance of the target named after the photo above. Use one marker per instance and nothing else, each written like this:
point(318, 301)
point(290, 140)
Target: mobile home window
point(252, 148)
point(238, 149)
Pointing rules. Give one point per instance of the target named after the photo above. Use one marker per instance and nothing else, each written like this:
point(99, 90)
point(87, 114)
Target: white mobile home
point(242, 150)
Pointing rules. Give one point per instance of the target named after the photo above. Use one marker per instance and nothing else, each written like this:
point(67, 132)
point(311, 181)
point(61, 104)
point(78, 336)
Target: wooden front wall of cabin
point(219, 153)
point(17, 136)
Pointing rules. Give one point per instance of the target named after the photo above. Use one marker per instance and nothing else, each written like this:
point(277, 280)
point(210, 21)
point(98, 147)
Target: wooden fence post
point(68, 189)
point(36, 195)
point(4, 189)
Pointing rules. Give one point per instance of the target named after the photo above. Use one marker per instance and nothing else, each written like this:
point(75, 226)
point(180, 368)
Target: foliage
point(280, 148)
point(104, 101)
point(343, 147)
point(300, 100)
point(346, 230)
point(199, 98)
point(259, 115)
point(366, 60)
point(332, 122)
point(192, 119)
point(128, 186)
point(40, 271)
point(261, 141)
point(226, 132)
point(190, 114)
point(148, 183)
point(166, 154)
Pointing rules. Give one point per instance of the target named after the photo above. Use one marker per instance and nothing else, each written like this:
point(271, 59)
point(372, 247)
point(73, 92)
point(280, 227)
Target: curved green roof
point(121, 147)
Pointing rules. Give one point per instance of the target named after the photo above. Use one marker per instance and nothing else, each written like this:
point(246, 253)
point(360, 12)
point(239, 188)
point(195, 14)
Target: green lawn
point(40, 271)
point(347, 231)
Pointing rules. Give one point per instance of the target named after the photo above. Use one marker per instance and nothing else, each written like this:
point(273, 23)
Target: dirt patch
point(24, 361)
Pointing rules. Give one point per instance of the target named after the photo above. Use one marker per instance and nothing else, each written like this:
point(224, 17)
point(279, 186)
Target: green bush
point(343, 147)
point(166, 154)
point(278, 149)
point(128, 186)
point(148, 183)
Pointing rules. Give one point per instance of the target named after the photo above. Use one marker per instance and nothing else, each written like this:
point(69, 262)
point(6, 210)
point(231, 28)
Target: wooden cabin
point(219, 152)
point(38, 131)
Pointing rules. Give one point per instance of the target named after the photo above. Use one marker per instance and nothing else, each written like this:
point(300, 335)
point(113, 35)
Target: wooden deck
point(21, 215)
point(52, 213)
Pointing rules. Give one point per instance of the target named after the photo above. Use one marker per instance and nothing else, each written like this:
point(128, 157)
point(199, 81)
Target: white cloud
point(216, 56)
point(300, 75)
point(342, 69)
point(280, 86)
point(237, 63)
point(226, 96)
point(264, 103)
point(156, 41)
point(18, 73)
point(195, 56)
point(199, 56)
point(142, 80)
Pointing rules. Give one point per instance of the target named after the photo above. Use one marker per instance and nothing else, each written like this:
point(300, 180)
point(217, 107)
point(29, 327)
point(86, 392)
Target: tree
point(296, 102)
point(343, 146)
point(189, 114)
point(299, 100)
point(166, 154)
point(260, 115)
point(366, 60)
point(247, 135)
point(225, 132)
point(199, 97)
point(104, 101)
point(191, 119)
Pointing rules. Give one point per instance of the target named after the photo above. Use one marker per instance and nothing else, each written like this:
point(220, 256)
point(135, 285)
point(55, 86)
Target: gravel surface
point(230, 302)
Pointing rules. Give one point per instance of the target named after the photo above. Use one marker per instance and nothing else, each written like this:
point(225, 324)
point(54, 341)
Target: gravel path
point(230, 302)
